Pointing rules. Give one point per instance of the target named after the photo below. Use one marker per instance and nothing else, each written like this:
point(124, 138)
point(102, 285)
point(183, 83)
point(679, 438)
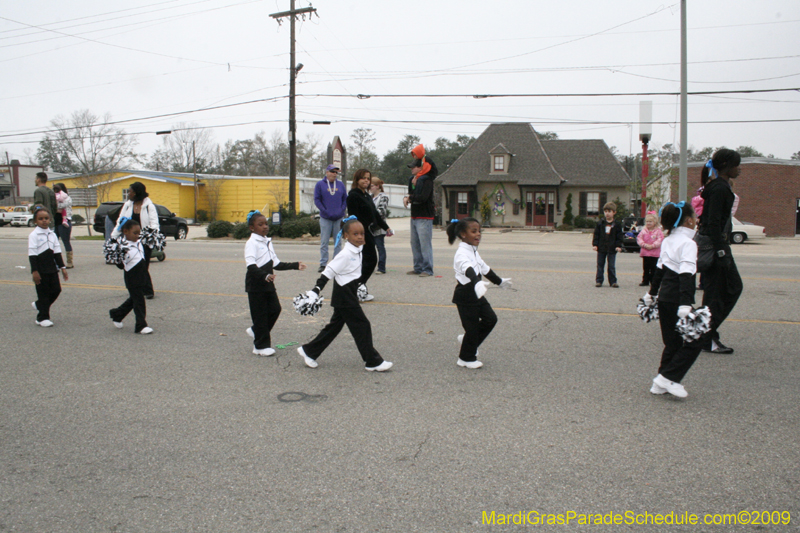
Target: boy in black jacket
point(607, 242)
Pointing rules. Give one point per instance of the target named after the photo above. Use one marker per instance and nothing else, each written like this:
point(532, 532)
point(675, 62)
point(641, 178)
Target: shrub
point(292, 229)
point(241, 231)
point(584, 222)
point(311, 226)
point(564, 227)
point(202, 215)
point(219, 228)
point(77, 219)
point(568, 217)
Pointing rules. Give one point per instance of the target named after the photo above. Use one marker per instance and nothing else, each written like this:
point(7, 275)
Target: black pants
point(612, 267)
point(678, 355)
point(722, 287)
point(359, 327)
point(648, 268)
point(46, 293)
point(134, 302)
point(369, 258)
point(264, 310)
point(478, 322)
point(148, 252)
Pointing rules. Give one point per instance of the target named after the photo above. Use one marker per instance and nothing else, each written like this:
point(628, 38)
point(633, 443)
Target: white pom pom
point(153, 238)
point(307, 305)
point(696, 324)
point(114, 251)
point(646, 312)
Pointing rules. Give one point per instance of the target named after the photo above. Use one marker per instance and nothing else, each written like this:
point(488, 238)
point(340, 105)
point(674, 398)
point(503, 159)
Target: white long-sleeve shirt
point(467, 257)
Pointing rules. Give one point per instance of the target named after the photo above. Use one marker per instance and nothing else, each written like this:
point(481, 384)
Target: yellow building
point(221, 197)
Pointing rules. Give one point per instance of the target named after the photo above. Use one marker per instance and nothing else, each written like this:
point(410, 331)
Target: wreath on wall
point(500, 209)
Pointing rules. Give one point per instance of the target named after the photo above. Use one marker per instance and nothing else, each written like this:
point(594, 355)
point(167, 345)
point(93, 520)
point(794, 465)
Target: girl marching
point(345, 271)
point(259, 283)
point(44, 254)
point(674, 286)
point(136, 277)
point(477, 315)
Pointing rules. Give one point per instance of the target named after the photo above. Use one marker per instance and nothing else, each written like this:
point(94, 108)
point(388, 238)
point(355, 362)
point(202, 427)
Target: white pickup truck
point(21, 211)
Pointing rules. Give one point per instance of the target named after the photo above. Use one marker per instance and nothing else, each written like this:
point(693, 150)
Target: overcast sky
point(140, 58)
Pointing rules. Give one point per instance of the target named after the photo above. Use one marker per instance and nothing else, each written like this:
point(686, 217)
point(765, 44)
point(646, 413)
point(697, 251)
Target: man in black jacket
point(423, 209)
point(722, 282)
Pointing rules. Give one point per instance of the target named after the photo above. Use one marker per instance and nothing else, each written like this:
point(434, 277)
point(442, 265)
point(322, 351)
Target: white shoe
point(44, 323)
point(310, 363)
point(656, 389)
point(266, 352)
point(146, 331)
point(460, 339)
point(469, 364)
point(368, 298)
point(383, 367)
point(249, 331)
point(676, 389)
point(119, 325)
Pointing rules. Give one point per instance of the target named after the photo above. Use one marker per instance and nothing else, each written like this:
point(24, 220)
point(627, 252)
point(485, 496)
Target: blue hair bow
point(711, 170)
point(122, 221)
point(251, 214)
point(679, 205)
point(454, 221)
point(339, 235)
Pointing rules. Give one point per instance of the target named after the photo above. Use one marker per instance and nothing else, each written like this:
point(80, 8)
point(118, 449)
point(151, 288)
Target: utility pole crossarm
point(300, 11)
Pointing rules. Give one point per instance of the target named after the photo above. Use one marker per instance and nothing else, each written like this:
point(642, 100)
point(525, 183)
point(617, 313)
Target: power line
point(548, 95)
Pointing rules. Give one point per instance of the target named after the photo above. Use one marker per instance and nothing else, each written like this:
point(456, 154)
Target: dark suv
point(171, 225)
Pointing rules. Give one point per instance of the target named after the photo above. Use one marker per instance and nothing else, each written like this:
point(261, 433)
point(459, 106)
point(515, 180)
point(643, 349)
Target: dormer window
point(499, 163)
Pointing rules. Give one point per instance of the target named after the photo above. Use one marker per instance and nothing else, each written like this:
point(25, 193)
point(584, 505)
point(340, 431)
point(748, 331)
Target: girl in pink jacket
point(649, 240)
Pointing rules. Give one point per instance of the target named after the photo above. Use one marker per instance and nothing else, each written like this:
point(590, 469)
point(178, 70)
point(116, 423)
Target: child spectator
point(649, 240)
point(607, 242)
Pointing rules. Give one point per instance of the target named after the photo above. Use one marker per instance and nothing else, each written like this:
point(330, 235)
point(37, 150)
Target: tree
point(362, 153)
point(445, 152)
point(394, 167)
point(796, 156)
point(547, 135)
point(568, 217)
point(311, 157)
point(84, 143)
point(176, 152)
point(749, 151)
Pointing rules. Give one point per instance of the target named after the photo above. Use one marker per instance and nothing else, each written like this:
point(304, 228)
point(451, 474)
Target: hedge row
point(291, 228)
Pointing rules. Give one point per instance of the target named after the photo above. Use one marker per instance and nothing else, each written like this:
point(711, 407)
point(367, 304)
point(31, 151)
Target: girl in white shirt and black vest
point(259, 283)
point(477, 315)
point(137, 278)
point(44, 254)
point(674, 285)
point(345, 271)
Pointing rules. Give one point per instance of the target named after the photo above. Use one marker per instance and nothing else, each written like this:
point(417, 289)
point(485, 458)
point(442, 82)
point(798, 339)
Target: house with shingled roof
point(526, 180)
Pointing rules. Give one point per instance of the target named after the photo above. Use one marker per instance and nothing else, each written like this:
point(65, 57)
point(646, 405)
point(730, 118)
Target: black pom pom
point(646, 312)
point(695, 324)
point(306, 305)
point(153, 238)
point(114, 251)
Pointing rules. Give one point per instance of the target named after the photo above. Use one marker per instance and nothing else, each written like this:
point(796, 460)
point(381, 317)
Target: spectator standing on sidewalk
point(330, 197)
point(423, 208)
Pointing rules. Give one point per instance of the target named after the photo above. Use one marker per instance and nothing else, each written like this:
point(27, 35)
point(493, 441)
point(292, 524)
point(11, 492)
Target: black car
point(171, 225)
point(631, 226)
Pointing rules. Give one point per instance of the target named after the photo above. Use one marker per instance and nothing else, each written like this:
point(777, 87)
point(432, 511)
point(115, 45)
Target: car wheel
point(182, 232)
point(738, 238)
point(30, 223)
point(161, 256)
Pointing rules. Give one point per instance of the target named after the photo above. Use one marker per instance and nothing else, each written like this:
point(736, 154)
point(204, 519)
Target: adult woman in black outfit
point(140, 208)
point(360, 205)
point(722, 282)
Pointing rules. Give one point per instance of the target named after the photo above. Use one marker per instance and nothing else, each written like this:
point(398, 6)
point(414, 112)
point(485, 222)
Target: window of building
point(592, 203)
point(125, 194)
point(499, 163)
point(463, 203)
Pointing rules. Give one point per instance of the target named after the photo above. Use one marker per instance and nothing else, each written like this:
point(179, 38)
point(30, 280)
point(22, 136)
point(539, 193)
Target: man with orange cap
point(423, 208)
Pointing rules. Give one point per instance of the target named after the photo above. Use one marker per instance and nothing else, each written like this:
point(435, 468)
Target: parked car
point(22, 217)
point(743, 231)
point(631, 226)
point(7, 214)
point(171, 224)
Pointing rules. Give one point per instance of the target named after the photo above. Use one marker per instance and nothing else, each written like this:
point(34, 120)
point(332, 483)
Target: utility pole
point(293, 70)
point(682, 167)
point(194, 169)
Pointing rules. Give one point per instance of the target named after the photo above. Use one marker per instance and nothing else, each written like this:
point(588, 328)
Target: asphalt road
point(186, 430)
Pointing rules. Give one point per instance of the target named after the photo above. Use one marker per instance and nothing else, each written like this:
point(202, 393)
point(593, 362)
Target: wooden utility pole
point(293, 70)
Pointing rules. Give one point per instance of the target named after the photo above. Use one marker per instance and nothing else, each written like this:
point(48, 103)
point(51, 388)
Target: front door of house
point(461, 206)
point(542, 205)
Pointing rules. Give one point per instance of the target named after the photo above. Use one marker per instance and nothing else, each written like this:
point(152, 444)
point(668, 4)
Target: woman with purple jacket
point(330, 197)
